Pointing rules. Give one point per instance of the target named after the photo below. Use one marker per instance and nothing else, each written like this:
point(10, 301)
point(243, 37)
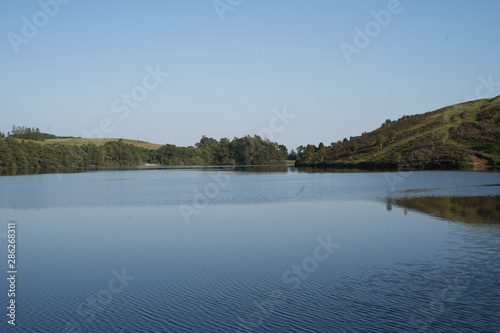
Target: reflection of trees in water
point(480, 209)
point(456, 287)
point(253, 168)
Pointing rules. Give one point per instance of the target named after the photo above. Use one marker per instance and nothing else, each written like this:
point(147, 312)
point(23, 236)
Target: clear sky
point(68, 68)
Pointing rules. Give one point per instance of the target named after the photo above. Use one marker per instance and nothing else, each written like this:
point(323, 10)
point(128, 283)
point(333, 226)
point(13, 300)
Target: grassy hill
point(97, 142)
point(460, 136)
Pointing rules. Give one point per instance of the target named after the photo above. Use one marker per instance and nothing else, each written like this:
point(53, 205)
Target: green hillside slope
point(96, 141)
point(460, 136)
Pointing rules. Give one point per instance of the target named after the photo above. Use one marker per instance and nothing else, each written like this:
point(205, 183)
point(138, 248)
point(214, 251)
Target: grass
point(97, 142)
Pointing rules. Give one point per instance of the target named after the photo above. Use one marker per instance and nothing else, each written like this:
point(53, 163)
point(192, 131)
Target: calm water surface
point(254, 250)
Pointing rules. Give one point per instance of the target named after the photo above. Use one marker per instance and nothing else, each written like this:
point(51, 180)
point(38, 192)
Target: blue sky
point(225, 77)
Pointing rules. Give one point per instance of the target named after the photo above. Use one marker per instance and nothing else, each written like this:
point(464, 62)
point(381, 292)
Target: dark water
point(253, 250)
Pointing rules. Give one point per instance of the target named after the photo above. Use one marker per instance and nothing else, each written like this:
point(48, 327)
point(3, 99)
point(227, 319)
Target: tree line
point(248, 150)
point(23, 132)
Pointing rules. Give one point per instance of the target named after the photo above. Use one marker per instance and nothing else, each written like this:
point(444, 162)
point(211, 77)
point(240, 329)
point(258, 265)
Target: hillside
point(461, 136)
point(97, 142)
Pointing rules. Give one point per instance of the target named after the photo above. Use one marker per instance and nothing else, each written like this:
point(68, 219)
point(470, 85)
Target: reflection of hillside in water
point(480, 209)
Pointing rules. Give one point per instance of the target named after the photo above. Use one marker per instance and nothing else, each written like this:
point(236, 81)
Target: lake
point(253, 249)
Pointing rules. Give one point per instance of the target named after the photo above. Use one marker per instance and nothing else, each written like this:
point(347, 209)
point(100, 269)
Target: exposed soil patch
point(480, 163)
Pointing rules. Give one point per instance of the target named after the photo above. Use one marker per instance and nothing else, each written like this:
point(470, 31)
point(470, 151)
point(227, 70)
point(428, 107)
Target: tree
point(18, 155)
point(440, 135)
point(392, 134)
point(5, 154)
point(300, 151)
point(380, 140)
point(310, 149)
point(245, 151)
point(23, 132)
point(321, 149)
